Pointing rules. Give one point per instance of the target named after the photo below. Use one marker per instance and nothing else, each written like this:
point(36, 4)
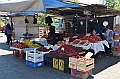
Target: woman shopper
point(8, 31)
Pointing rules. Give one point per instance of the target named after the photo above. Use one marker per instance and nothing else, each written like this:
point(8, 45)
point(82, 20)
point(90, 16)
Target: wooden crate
point(85, 62)
point(85, 65)
point(85, 68)
point(42, 31)
point(72, 65)
point(73, 60)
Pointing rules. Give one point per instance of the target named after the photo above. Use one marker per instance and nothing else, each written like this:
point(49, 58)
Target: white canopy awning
point(21, 5)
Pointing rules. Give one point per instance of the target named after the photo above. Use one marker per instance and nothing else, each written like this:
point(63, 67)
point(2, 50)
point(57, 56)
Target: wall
point(20, 27)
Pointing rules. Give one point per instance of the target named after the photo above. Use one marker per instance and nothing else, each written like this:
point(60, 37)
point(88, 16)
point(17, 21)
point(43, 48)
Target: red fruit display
point(69, 35)
point(20, 45)
point(81, 58)
point(82, 43)
point(68, 50)
point(43, 49)
point(91, 38)
point(71, 39)
point(76, 41)
point(46, 36)
point(60, 43)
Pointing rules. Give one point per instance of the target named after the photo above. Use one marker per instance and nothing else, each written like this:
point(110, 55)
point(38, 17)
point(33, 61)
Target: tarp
point(58, 3)
point(21, 5)
point(50, 4)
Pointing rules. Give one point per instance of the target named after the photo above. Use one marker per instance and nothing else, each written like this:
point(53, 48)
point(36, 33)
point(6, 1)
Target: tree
point(41, 19)
point(114, 4)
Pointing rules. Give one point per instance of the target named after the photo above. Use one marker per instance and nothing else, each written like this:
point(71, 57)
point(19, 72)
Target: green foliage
point(114, 4)
point(41, 19)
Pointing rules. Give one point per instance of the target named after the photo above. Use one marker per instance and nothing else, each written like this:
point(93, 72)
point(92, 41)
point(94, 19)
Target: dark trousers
point(109, 50)
point(9, 39)
point(53, 39)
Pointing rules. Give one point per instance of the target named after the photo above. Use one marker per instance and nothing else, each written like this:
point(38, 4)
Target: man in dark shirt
point(52, 34)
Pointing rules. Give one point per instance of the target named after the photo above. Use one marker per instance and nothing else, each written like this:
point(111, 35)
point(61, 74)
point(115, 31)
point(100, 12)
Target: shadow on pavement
point(104, 62)
point(15, 68)
point(4, 46)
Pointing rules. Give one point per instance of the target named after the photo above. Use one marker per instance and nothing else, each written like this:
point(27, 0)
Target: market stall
point(64, 56)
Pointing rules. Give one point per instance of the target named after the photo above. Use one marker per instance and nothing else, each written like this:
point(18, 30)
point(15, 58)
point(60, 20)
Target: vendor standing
point(109, 38)
point(52, 34)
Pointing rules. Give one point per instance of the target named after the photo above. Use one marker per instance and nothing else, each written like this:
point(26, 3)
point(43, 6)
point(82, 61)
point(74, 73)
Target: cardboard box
point(116, 43)
point(116, 37)
point(116, 53)
point(117, 28)
point(114, 48)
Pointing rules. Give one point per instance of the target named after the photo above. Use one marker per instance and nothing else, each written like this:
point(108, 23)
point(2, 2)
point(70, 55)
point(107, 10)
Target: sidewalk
point(15, 68)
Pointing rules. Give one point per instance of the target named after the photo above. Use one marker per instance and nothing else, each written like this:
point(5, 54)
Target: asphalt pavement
point(15, 68)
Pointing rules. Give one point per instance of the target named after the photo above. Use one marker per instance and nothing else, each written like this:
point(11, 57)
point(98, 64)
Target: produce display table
point(24, 49)
point(98, 46)
point(42, 41)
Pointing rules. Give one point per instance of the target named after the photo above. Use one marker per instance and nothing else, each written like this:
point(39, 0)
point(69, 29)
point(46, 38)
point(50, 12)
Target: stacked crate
point(48, 59)
point(116, 47)
point(61, 63)
point(42, 31)
point(35, 58)
point(81, 67)
point(57, 61)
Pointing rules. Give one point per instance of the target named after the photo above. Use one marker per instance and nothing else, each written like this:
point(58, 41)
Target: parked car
point(2, 29)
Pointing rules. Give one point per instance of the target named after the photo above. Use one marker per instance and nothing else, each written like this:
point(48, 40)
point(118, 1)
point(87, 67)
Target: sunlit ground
point(4, 48)
point(5, 52)
point(112, 72)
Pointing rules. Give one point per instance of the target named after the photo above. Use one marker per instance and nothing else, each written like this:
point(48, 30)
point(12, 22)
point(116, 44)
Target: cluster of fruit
point(82, 43)
point(68, 50)
point(76, 41)
point(43, 49)
point(46, 36)
point(60, 43)
point(30, 44)
point(69, 35)
point(20, 45)
point(91, 38)
point(81, 58)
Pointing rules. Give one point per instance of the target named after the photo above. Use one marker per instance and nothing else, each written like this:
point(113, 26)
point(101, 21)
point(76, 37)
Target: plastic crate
point(16, 53)
point(19, 53)
point(35, 56)
point(55, 63)
point(48, 60)
point(62, 64)
point(81, 74)
point(32, 59)
point(22, 54)
point(35, 64)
